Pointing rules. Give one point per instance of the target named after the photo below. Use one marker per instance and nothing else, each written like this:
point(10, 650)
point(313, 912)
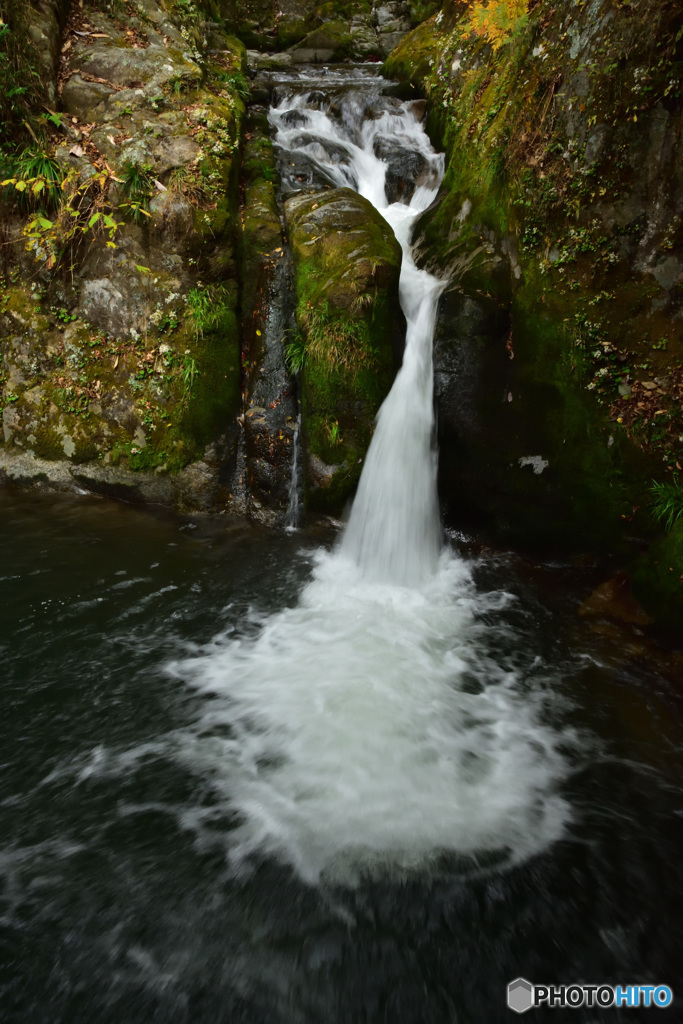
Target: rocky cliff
point(558, 228)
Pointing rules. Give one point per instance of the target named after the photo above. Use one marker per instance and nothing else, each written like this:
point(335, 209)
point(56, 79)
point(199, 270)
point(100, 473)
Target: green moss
point(289, 33)
point(48, 444)
point(414, 57)
point(214, 398)
point(347, 266)
point(521, 226)
point(658, 580)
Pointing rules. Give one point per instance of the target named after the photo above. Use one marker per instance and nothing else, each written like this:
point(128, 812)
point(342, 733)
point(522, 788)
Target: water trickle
point(372, 726)
point(292, 520)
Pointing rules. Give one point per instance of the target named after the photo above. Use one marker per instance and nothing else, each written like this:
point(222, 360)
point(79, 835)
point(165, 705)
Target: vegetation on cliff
point(559, 222)
point(118, 327)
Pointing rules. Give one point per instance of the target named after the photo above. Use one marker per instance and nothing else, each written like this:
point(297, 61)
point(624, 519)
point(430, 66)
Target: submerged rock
point(406, 169)
point(614, 600)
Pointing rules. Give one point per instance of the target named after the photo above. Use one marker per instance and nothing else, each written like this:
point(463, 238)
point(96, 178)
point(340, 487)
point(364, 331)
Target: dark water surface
point(114, 908)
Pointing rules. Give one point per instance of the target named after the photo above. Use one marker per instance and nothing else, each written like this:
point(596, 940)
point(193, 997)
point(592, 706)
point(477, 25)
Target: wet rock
point(510, 381)
point(270, 410)
point(302, 171)
point(406, 169)
point(294, 119)
point(269, 61)
point(614, 600)
point(347, 264)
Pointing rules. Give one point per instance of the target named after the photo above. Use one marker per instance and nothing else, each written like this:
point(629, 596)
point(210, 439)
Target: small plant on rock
point(295, 354)
point(667, 503)
point(138, 187)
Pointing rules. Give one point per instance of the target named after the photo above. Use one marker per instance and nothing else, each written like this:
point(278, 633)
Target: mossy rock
point(331, 42)
point(550, 318)
point(352, 331)
point(412, 60)
point(658, 580)
point(289, 33)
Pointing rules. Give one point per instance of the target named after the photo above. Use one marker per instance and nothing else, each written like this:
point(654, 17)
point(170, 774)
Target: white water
point(369, 727)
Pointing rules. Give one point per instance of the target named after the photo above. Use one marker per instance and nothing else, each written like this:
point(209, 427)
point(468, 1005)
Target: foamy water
point(370, 727)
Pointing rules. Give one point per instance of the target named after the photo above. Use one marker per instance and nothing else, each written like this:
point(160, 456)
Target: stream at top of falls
point(295, 778)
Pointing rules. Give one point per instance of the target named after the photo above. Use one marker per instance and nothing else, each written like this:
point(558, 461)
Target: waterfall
point(374, 726)
point(393, 533)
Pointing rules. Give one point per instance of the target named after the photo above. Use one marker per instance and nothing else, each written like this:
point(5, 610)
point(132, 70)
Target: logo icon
point(520, 995)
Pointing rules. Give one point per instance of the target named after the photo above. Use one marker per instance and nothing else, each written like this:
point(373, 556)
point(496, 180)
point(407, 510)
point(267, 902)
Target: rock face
point(556, 226)
point(124, 351)
point(351, 332)
point(270, 403)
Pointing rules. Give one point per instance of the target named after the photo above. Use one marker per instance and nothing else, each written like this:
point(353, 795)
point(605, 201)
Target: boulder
point(351, 333)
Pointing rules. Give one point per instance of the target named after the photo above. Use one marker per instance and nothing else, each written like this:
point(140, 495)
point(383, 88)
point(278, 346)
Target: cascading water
point(393, 533)
point(292, 520)
point(372, 724)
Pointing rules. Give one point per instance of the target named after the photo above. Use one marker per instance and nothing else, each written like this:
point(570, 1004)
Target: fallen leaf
point(76, 151)
point(162, 188)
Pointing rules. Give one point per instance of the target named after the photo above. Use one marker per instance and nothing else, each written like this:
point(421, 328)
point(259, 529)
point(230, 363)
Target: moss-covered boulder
point(330, 42)
point(351, 333)
point(658, 579)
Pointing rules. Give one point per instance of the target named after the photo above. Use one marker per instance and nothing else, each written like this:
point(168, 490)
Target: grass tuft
point(667, 503)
